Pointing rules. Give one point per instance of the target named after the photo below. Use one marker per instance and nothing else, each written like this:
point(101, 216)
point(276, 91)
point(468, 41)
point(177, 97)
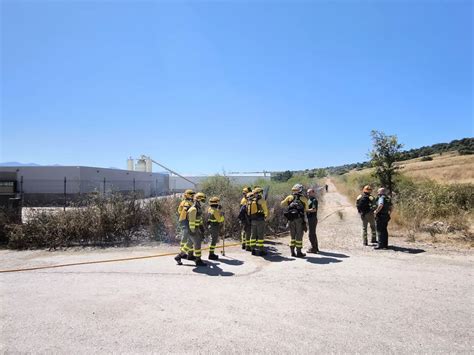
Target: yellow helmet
point(249, 195)
point(298, 188)
point(189, 193)
point(214, 200)
point(246, 190)
point(257, 190)
point(367, 188)
point(200, 196)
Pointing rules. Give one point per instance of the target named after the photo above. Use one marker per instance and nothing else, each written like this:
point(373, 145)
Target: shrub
point(100, 221)
point(426, 158)
point(162, 219)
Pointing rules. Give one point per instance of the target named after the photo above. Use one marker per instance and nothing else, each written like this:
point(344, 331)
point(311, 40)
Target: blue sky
point(234, 85)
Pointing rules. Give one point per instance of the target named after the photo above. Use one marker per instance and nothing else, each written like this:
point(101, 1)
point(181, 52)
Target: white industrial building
point(178, 184)
point(40, 185)
point(43, 183)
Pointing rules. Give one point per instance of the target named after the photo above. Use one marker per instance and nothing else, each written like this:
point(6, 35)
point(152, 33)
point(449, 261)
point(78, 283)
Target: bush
point(101, 221)
point(162, 219)
point(426, 158)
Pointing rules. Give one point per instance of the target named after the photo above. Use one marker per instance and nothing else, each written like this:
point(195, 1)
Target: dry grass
point(447, 168)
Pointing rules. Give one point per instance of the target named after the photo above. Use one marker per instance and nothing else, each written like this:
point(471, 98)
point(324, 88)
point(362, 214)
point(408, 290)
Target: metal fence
point(63, 192)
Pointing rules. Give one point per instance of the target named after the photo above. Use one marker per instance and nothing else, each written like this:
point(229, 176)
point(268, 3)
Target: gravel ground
point(349, 298)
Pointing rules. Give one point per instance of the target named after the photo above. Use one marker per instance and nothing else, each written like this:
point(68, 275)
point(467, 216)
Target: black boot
point(248, 248)
point(292, 249)
point(199, 262)
point(243, 246)
point(191, 256)
point(213, 256)
point(262, 252)
point(178, 259)
point(373, 240)
point(300, 254)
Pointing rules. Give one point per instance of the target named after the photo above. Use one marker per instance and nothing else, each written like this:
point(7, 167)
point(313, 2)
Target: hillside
point(463, 146)
point(448, 168)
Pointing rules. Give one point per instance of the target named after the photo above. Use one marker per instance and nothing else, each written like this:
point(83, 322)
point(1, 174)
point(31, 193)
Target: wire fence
point(67, 191)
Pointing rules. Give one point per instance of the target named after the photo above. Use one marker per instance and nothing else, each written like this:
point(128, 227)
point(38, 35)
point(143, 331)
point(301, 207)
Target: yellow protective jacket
point(183, 209)
point(257, 208)
point(286, 202)
point(243, 201)
point(194, 217)
point(214, 216)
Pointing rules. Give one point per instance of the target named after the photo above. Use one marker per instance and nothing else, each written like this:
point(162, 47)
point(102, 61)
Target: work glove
point(305, 227)
point(202, 229)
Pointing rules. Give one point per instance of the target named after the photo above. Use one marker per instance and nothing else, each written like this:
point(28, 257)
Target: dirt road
point(348, 299)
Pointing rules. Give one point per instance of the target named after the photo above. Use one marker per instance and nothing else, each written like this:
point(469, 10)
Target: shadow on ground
point(212, 269)
point(275, 256)
point(230, 261)
point(405, 250)
point(322, 261)
point(334, 255)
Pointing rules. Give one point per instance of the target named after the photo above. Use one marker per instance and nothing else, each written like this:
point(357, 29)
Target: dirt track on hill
point(349, 299)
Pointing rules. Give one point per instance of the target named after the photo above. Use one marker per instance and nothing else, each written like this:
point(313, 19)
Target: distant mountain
point(15, 163)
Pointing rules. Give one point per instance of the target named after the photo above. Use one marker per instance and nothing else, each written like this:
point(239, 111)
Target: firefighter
point(243, 218)
point(246, 217)
point(312, 216)
point(257, 211)
point(215, 222)
point(194, 229)
point(296, 207)
point(365, 203)
point(186, 203)
point(382, 217)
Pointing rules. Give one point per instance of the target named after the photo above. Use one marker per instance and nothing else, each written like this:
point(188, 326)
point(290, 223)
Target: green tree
point(385, 152)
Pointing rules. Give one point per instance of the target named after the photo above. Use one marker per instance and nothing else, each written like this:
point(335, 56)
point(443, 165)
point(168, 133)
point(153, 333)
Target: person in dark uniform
point(312, 215)
point(382, 217)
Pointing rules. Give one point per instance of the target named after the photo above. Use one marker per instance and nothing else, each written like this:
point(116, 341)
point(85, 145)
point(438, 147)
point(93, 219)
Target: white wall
point(81, 179)
point(179, 184)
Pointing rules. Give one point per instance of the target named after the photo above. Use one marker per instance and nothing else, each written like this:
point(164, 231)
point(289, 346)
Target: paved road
point(347, 299)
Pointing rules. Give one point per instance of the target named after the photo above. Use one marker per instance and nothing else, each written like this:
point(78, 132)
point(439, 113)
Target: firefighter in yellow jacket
point(258, 213)
point(215, 223)
point(297, 205)
point(194, 230)
point(245, 230)
point(184, 206)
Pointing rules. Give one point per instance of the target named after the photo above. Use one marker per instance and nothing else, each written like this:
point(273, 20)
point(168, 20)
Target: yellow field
point(447, 168)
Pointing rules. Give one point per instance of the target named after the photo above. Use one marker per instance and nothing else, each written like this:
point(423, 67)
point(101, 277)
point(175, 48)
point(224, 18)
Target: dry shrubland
point(118, 219)
point(444, 211)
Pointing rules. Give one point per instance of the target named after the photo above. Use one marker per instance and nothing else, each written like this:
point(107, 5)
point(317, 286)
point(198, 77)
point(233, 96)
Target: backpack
point(364, 204)
point(295, 209)
point(243, 215)
point(254, 209)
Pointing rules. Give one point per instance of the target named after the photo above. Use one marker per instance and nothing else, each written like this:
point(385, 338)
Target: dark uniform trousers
point(381, 222)
point(312, 223)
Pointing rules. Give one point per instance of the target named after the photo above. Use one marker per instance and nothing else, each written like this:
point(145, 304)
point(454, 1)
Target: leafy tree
point(282, 177)
point(385, 153)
